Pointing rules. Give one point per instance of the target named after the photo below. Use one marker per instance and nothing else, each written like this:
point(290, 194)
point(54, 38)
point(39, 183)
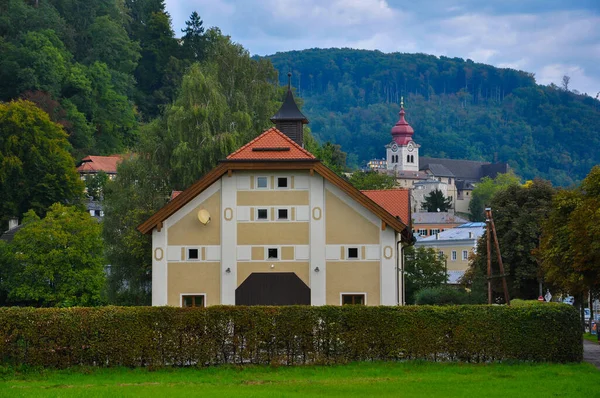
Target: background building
point(455, 245)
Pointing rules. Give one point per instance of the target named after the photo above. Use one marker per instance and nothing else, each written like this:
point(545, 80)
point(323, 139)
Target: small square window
point(353, 252)
point(192, 301)
point(262, 214)
point(282, 182)
point(262, 182)
point(272, 253)
point(192, 254)
point(353, 299)
point(282, 214)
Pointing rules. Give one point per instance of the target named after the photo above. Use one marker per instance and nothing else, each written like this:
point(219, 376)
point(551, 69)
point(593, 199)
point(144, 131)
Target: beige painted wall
point(459, 264)
point(358, 277)
point(344, 225)
point(189, 231)
point(273, 233)
point(193, 278)
point(245, 269)
point(272, 198)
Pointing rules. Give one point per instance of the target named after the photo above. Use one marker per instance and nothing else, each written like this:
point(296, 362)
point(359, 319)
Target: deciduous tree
point(57, 260)
point(36, 169)
point(423, 268)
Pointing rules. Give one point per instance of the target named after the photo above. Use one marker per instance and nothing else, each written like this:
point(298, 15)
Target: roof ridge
point(384, 189)
point(276, 131)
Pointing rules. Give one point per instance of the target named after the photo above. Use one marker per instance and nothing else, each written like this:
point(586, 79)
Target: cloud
point(546, 37)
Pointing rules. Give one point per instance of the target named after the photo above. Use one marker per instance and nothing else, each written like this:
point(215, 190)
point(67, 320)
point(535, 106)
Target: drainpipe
point(400, 268)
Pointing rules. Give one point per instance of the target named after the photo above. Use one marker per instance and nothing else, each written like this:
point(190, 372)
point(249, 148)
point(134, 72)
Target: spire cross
point(289, 80)
point(402, 102)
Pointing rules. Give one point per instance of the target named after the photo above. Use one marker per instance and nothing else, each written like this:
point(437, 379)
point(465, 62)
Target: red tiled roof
point(94, 164)
point(175, 194)
point(394, 201)
point(271, 145)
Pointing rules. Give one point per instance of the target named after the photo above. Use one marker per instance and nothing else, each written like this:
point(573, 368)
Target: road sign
point(548, 296)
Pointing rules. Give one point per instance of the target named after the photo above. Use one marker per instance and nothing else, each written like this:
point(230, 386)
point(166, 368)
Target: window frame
point(453, 255)
point(348, 257)
point(203, 295)
point(257, 218)
point(363, 294)
point(424, 230)
point(287, 183)
point(187, 254)
point(288, 212)
point(465, 255)
point(257, 178)
point(267, 258)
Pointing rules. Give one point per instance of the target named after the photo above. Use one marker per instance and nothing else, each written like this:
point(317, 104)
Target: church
point(455, 178)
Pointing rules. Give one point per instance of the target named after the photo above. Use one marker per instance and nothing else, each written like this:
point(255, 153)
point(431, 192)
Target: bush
point(442, 295)
point(167, 336)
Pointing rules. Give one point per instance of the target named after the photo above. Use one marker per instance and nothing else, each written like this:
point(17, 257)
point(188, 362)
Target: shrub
point(442, 295)
point(167, 336)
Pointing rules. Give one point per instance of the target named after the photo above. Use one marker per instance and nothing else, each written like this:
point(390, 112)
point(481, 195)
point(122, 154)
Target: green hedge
point(166, 336)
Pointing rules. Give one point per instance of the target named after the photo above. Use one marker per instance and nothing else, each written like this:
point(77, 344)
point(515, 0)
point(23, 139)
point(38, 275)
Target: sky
point(549, 38)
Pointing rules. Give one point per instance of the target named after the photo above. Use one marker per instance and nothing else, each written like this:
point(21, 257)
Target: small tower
point(402, 152)
point(288, 119)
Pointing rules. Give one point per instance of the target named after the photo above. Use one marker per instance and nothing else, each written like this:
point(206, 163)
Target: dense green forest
point(459, 109)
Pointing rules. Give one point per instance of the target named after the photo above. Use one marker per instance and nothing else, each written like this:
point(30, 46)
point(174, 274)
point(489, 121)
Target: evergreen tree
point(194, 41)
point(437, 202)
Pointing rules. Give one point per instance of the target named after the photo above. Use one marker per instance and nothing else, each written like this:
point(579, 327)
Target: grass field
point(590, 337)
point(408, 379)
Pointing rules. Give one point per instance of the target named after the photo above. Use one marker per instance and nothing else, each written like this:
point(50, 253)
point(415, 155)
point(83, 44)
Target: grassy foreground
point(407, 379)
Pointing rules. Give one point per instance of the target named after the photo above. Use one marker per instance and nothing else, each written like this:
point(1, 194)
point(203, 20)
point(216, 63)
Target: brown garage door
point(272, 288)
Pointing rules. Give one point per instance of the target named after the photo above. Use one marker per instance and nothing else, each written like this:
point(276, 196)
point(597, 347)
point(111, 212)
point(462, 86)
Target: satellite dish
point(203, 216)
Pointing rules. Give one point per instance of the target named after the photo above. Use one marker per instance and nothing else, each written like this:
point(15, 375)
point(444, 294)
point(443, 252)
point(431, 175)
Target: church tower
point(402, 152)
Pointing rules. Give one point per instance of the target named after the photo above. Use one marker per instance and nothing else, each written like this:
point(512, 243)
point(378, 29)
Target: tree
point(36, 169)
point(57, 260)
point(485, 190)
point(436, 201)
point(372, 180)
point(129, 200)
point(518, 212)
point(423, 269)
point(95, 184)
point(194, 41)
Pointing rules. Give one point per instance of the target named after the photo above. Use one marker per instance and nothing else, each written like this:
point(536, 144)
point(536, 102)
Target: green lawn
point(590, 337)
point(408, 379)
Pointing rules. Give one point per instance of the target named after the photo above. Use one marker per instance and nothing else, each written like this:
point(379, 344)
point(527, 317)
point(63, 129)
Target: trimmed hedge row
point(167, 336)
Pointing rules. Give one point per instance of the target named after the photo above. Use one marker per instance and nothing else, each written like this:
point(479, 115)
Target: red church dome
point(402, 132)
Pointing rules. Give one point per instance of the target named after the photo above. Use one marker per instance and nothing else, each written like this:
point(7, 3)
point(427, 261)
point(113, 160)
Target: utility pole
point(490, 225)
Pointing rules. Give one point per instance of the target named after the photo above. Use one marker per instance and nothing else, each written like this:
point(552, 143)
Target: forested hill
point(459, 109)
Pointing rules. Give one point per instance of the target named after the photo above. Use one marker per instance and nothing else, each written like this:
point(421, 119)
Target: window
point(353, 252)
point(465, 255)
point(262, 182)
point(453, 255)
point(467, 193)
point(353, 299)
point(272, 253)
point(434, 231)
point(192, 254)
point(407, 158)
point(192, 300)
point(422, 232)
point(282, 182)
point(440, 254)
point(282, 214)
point(262, 214)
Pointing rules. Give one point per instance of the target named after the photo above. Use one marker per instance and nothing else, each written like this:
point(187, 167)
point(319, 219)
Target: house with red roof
point(272, 225)
point(92, 165)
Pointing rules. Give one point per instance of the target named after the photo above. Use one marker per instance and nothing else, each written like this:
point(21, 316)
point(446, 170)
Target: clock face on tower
point(410, 147)
point(395, 148)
